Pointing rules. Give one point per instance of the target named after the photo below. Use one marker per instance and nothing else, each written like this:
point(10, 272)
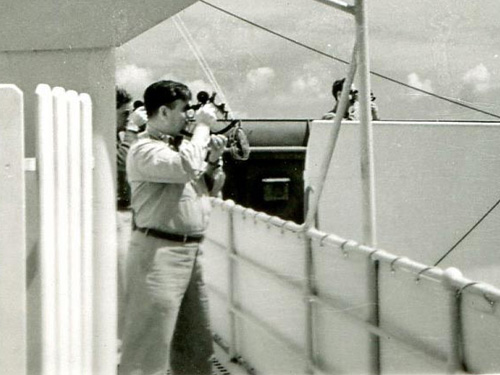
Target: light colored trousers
point(166, 318)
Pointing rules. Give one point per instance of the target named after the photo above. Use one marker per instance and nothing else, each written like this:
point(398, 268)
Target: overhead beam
point(340, 5)
point(27, 25)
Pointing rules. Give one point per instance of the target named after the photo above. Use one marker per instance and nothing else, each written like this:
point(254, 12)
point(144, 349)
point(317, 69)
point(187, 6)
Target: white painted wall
point(12, 235)
point(433, 183)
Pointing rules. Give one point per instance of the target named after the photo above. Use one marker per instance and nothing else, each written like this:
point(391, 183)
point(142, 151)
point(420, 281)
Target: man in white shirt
point(171, 178)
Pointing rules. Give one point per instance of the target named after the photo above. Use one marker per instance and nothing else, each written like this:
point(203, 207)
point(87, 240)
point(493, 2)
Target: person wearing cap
point(166, 317)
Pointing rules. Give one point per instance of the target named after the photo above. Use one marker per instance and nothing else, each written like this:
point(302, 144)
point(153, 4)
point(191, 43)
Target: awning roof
point(33, 25)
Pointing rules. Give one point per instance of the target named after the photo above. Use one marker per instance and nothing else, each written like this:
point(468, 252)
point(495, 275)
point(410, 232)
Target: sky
point(448, 47)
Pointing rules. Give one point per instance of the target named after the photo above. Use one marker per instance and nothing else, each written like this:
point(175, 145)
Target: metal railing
point(446, 353)
point(52, 332)
point(64, 155)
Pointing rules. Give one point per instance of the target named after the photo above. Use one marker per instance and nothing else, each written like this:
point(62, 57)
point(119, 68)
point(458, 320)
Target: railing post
point(75, 207)
point(231, 251)
point(309, 292)
point(47, 244)
point(455, 364)
point(373, 297)
point(62, 229)
point(367, 169)
point(87, 243)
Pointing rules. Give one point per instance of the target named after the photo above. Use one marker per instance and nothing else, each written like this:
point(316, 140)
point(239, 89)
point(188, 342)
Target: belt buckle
point(184, 240)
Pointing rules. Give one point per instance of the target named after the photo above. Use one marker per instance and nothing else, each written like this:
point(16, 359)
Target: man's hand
point(217, 145)
point(206, 115)
point(205, 119)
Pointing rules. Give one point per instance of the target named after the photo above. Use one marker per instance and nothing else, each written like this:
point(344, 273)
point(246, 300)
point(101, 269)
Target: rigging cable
point(199, 57)
point(393, 80)
point(468, 232)
point(453, 101)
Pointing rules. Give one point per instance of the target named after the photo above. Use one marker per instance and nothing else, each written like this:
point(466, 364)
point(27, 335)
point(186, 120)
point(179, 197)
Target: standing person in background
point(352, 112)
point(166, 321)
point(139, 109)
point(337, 87)
point(128, 123)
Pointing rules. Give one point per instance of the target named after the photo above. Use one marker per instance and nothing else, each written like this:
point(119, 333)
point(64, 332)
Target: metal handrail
point(453, 283)
point(332, 303)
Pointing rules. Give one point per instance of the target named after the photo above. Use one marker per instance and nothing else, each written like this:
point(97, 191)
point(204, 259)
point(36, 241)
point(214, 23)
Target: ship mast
point(359, 63)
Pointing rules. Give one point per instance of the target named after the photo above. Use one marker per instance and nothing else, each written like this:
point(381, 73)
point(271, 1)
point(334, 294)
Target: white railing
point(64, 155)
point(295, 302)
point(48, 322)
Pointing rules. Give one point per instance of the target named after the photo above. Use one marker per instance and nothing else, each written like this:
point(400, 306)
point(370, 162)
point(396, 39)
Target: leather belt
point(184, 238)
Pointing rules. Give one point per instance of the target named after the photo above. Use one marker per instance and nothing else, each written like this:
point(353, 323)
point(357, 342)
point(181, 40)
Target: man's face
point(177, 117)
point(122, 114)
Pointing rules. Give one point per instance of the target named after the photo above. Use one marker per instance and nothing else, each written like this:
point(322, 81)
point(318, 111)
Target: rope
point(468, 232)
point(199, 57)
point(296, 42)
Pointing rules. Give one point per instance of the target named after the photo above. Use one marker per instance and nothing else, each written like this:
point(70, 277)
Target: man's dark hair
point(122, 97)
point(337, 87)
point(164, 93)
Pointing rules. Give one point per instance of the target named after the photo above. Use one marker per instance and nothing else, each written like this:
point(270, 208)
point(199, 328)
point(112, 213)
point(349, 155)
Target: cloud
point(240, 114)
point(478, 77)
point(134, 79)
point(195, 86)
point(302, 83)
point(307, 84)
point(260, 79)
point(415, 81)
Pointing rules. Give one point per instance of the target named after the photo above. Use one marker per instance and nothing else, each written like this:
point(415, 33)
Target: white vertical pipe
point(181, 26)
point(47, 244)
point(368, 172)
point(86, 233)
point(62, 228)
point(366, 139)
point(317, 188)
point(75, 209)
